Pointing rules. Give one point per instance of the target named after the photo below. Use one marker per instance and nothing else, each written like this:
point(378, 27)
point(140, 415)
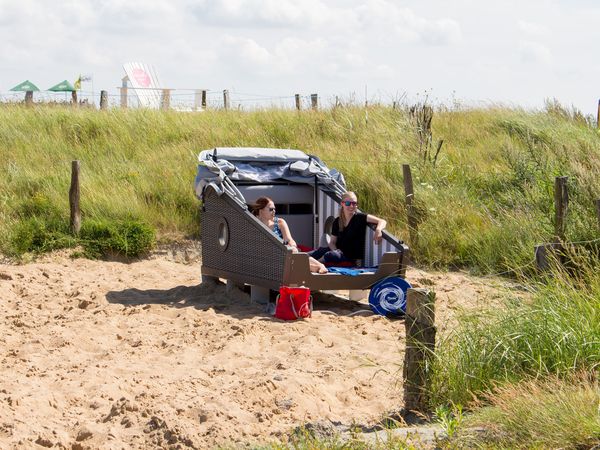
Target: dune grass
point(484, 205)
point(556, 333)
point(538, 413)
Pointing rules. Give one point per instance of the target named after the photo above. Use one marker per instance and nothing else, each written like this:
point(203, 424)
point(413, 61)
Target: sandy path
point(113, 355)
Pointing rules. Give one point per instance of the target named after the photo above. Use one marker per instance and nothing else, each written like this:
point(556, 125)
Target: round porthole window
point(223, 236)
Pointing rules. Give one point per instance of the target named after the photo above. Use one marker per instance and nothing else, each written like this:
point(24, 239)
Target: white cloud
point(260, 13)
point(247, 51)
point(531, 28)
point(534, 52)
point(393, 23)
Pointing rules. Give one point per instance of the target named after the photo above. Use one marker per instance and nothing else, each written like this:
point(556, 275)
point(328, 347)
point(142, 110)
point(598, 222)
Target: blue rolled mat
point(388, 296)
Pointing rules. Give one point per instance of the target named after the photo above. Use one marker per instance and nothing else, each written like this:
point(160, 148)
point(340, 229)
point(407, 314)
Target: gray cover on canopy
point(219, 167)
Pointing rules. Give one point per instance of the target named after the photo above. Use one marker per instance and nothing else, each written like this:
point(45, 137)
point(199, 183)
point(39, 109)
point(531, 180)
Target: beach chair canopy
point(25, 86)
point(221, 166)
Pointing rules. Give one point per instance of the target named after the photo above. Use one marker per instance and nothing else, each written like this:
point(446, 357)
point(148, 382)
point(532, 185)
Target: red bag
point(293, 303)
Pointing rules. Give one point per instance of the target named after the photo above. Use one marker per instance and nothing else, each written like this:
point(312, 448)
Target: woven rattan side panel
point(250, 250)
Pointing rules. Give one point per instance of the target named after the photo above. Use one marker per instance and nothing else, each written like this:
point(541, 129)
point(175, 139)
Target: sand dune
point(138, 355)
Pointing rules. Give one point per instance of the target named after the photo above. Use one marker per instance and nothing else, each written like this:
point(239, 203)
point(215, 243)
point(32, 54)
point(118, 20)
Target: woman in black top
point(347, 241)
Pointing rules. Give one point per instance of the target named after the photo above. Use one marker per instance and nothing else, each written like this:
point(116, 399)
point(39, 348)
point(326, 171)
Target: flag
point(85, 77)
point(77, 84)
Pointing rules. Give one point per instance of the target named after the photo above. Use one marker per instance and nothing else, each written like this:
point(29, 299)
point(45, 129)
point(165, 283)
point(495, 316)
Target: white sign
point(145, 83)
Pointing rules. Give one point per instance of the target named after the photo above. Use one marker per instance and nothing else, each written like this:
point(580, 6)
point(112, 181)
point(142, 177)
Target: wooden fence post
point(314, 101)
point(298, 104)
point(103, 100)
point(74, 198)
point(204, 99)
point(410, 206)
point(420, 344)
point(197, 100)
point(124, 92)
point(545, 253)
point(561, 202)
point(74, 98)
point(28, 98)
point(165, 99)
point(226, 103)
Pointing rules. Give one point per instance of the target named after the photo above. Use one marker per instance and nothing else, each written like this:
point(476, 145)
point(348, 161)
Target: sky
point(460, 52)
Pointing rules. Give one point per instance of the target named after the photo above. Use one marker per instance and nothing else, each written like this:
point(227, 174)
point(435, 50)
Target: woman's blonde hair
point(345, 196)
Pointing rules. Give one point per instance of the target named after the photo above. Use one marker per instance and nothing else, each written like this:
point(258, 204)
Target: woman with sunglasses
point(264, 209)
point(347, 242)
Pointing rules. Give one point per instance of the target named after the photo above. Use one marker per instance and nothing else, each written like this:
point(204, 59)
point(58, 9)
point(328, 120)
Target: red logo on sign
point(141, 77)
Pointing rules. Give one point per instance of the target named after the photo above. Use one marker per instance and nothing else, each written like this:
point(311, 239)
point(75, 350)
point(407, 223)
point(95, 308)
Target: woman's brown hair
point(259, 204)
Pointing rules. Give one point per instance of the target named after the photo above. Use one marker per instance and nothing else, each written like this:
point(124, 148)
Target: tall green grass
point(484, 205)
point(556, 333)
point(538, 413)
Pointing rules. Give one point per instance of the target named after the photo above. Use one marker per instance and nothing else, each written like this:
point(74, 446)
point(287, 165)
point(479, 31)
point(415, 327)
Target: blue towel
point(351, 271)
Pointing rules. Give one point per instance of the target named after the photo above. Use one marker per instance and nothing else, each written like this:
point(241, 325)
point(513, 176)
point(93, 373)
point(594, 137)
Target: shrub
point(128, 238)
point(39, 235)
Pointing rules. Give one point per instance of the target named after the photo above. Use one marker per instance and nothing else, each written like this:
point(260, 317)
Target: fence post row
point(420, 345)
point(74, 193)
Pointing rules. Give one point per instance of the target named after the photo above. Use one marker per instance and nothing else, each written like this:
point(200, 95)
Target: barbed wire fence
point(189, 100)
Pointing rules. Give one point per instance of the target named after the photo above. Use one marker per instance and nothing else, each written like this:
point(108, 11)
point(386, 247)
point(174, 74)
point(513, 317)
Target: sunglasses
point(349, 203)
point(271, 209)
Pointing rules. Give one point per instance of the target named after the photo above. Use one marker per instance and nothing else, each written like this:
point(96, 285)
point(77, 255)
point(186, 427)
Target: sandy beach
point(112, 355)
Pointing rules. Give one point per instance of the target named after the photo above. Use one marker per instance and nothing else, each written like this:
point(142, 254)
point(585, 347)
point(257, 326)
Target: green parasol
point(25, 86)
point(63, 86)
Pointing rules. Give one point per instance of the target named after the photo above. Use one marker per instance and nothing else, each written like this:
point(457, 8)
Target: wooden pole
point(561, 203)
point(103, 100)
point(410, 206)
point(204, 99)
point(124, 92)
point(74, 198)
point(28, 98)
point(74, 98)
point(314, 101)
point(298, 103)
point(226, 103)
point(420, 344)
point(541, 257)
point(197, 99)
point(165, 99)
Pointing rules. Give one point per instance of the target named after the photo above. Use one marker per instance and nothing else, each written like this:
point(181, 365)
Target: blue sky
point(469, 52)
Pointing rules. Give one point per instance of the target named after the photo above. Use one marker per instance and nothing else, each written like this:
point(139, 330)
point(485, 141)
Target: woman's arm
point(287, 236)
point(332, 242)
point(379, 226)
